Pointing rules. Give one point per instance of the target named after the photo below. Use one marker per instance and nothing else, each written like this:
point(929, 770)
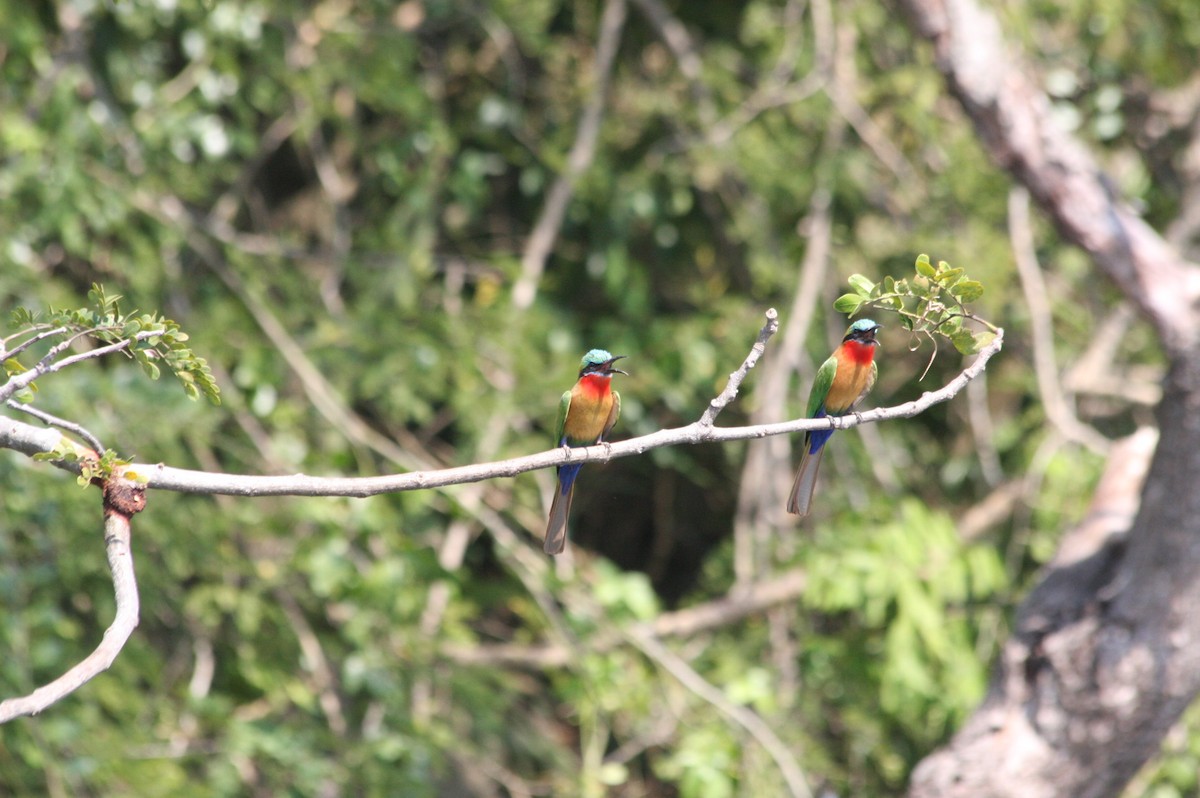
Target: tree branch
point(31, 440)
point(121, 501)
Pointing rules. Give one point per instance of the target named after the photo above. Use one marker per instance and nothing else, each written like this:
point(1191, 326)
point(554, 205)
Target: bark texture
point(1106, 651)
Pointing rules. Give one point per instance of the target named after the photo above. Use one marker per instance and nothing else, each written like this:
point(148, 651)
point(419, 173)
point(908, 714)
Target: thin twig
point(735, 379)
point(117, 546)
point(21, 347)
point(48, 364)
point(61, 423)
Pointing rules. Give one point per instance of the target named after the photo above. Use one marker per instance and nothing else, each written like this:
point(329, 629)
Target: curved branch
point(121, 501)
point(28, 342)
point(54, 421)
point(31, 440)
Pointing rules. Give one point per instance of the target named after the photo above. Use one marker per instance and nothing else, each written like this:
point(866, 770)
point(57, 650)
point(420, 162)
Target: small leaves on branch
point(92, 466)
point(151, 340)
point(931, 302)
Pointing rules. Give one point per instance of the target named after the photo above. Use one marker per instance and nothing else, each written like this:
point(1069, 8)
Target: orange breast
point(591, 402)
point(852, 378)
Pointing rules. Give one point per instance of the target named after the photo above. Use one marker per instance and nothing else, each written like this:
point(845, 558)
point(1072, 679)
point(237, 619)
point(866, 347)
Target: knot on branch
point(123, 497)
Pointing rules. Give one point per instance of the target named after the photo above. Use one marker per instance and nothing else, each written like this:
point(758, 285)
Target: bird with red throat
point(586, 414)
point(841, 383)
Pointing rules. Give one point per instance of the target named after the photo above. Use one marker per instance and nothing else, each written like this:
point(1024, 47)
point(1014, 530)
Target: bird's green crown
point(859, 329)
point(600, 361)
point(595, 357)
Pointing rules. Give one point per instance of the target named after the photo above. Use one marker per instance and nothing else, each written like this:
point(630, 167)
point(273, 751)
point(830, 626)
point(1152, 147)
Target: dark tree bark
point(1105, 655)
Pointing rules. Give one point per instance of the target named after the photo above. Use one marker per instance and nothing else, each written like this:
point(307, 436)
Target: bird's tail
point(560, 508)
point(806, 479)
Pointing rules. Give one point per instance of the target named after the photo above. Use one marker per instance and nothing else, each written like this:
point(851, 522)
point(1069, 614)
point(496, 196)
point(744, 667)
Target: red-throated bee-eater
point(586, 414)
point(841, 383)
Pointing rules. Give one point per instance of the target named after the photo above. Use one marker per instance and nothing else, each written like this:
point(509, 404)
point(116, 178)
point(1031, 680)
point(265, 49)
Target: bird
point(841, 383)
point(586, 414)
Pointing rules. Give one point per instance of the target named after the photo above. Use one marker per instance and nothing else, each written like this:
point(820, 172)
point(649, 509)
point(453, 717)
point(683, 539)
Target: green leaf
point(948, 275)
point(848, 304)
point(23, 317)
point(861, 285)
point(964, 341)
point(924, 267)
point(967, 290)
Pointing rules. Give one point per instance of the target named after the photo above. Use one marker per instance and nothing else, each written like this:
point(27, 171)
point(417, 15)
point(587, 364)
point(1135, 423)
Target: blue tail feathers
point(566, 476)
point(818, 437)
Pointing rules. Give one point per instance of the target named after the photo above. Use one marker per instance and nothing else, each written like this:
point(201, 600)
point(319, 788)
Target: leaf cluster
point(931, 302)
point(150, 340)
point(91, 466)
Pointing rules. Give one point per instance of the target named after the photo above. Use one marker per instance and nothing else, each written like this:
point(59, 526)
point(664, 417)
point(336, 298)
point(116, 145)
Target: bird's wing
point(564, 406)
point(613, 415)
point(821, 385)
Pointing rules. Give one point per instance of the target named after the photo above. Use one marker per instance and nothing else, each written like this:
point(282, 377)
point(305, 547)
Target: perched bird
point(841, 383)
point(586, 414)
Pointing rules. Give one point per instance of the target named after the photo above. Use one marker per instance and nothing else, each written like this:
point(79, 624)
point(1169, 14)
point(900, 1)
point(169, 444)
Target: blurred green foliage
point(332, 199)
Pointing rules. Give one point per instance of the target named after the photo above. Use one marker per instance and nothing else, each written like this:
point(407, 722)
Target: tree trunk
point(1105, 655)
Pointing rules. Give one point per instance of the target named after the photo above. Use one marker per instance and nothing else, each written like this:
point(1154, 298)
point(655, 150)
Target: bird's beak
point(609, 366)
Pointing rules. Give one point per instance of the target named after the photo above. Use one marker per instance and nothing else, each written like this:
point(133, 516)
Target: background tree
point(392, 230)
